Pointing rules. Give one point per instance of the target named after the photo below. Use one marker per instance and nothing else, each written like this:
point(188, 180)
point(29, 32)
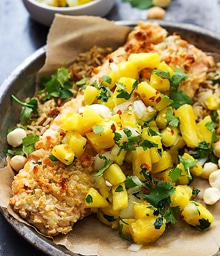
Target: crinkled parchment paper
point(69, 36)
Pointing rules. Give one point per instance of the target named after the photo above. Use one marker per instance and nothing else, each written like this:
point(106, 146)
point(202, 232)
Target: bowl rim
point(63, 9)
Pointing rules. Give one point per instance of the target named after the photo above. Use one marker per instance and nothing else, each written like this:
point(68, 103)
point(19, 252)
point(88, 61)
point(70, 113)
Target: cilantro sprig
point(177, 96)
point(57, 86)
point(29, 107)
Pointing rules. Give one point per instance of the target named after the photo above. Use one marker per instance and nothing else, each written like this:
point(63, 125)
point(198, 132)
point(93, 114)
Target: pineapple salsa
point(143, 132)
point(146, 146)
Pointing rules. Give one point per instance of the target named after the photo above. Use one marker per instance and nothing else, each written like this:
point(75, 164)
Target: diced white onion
point(136, 180)
point(134, 247)
point(121, 107)
point(102, 110)
point(139, 108)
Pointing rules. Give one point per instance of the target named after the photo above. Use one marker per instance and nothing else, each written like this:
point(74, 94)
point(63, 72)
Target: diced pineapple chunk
point(76, 141)
point(89, 119)
point(127, 85)
point(63, 153)
point(145, 60)
point(119, 197)
point(71, 121)
point(181, 196)
point(159, 83)
point(114, 174)
point(108, 216)
point(152, 97)
point(143, 210)
point(103, 139)
point(141, 158)
point(188, 125)
point(195, 214)
point(197, 170)
point(169, 135)
point(204, 134)
point(94, 199)
point(146, 230)
point(90, 94)
point(164, 163)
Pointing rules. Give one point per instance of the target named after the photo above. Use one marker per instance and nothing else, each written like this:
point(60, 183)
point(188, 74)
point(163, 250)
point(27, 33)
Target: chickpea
point(211, 195)
point(214, 179)
point(208, 168)
point(15, 137)
point(17, 162)
point(161, 3)
point(216, 147)
point(156, 12)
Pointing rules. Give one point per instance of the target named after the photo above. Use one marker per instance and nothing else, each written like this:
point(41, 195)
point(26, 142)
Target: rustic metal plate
point(22, 83)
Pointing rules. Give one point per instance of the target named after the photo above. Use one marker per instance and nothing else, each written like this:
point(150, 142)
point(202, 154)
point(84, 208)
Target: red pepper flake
point(146, 166)
point(152, 98)
point(172, 132)
point(119, 112)
point(158, 99)
point(146, 190)
point(113, 127)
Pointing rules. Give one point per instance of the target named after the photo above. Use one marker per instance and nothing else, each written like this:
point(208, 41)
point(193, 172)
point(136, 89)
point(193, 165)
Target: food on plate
point(125, 136)
point(64, 3)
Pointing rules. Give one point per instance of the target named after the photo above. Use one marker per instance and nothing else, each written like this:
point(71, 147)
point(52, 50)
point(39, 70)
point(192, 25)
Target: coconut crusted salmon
point(51, 195)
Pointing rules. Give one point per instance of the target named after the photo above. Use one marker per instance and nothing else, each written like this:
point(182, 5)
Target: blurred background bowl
point(44, 14)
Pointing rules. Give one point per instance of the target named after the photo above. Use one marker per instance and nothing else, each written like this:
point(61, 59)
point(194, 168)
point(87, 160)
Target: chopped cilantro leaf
point(57, 86)
point(204, 223)
point(107, 164)
point(170, 213)
point(162, 73)
point(158, 223)
point(177, 78)
point(97, 129)
point(119, 188)
point(159, 195)
point(29, 144)
point(180, 98)
point(171, 119)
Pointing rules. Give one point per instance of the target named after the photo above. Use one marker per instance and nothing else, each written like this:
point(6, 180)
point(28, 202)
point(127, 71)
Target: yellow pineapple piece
point(197, 170)
point(195, 214)
point(204, 134)
point(89, 119)
point(114, 174)
point(145, 60)
point(77, 142)
point(63, 153)
point(108, 216)
point(103, 139)
point(181, 196)
point(188, 126)
point(145, 231)
point(141, 158)
point(164, 163)
point(169, 136)
point(152, 97)
point(94, 199)
point(71, 121)
point(90, 94)
point(143, 210)
point(119, 197)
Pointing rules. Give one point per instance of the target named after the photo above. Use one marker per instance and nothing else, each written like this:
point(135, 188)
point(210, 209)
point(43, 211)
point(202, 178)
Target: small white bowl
point(44, 14)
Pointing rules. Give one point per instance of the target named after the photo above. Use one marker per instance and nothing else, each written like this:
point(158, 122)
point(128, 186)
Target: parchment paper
point(67, 37)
